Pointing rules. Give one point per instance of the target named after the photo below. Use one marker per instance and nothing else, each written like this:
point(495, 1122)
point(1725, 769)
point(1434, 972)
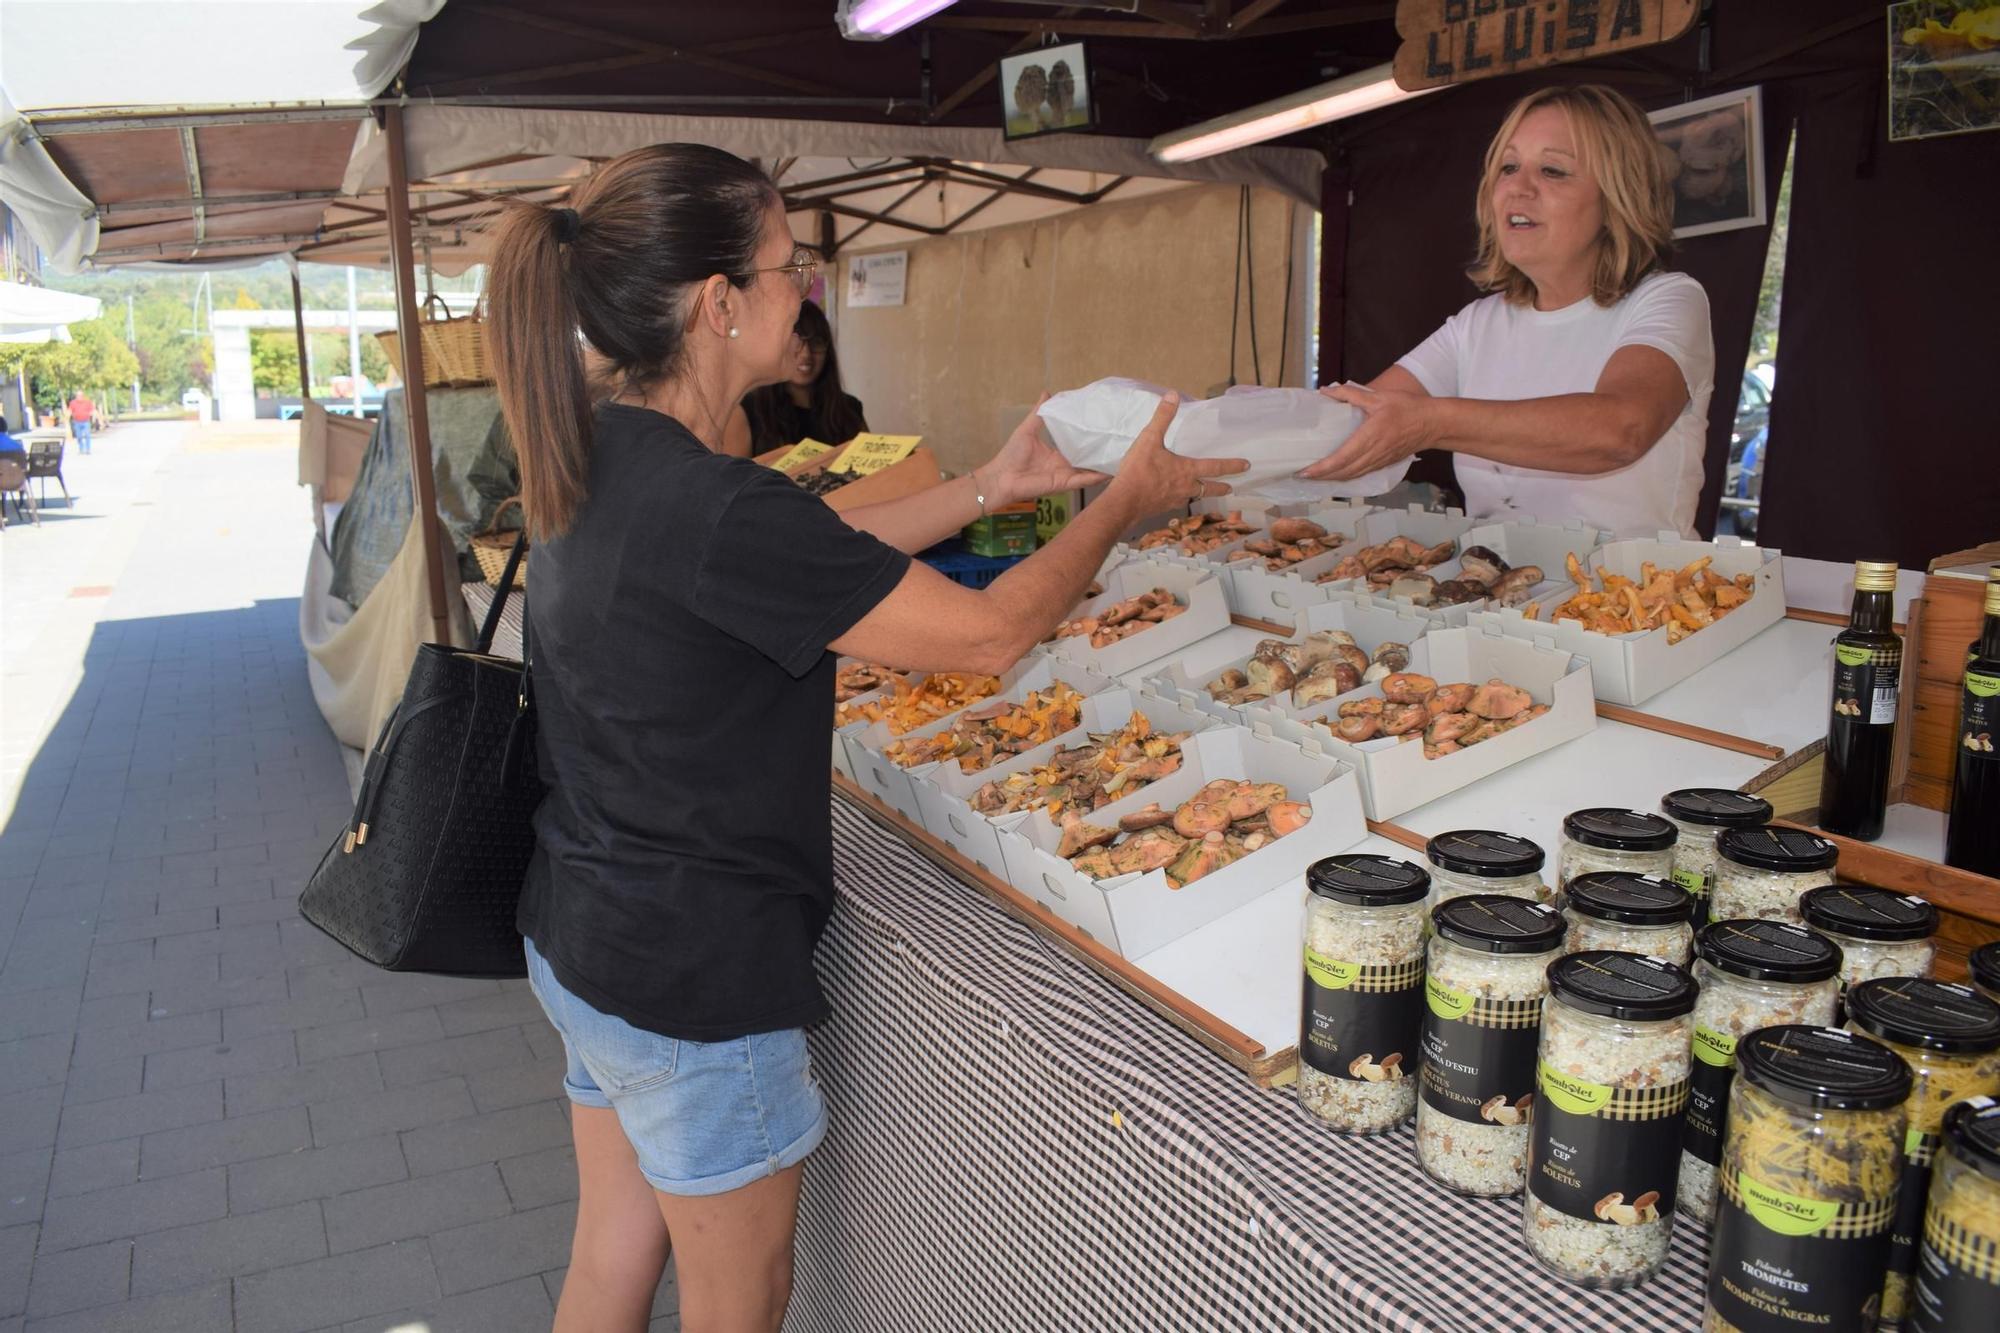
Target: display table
point(1018, 1144)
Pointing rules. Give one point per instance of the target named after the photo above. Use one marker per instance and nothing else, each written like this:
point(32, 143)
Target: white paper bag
point(1278, 430)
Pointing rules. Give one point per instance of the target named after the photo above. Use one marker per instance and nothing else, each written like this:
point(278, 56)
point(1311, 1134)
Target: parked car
point(1743, 481)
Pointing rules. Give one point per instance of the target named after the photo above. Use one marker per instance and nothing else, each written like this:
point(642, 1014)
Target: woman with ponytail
point(687, 609)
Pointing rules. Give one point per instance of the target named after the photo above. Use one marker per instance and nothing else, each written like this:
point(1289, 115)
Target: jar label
point(1708, 1093)
point(1958, 1279)
point(1864, 686)
point(1604, 1154)
point(1781, 1262)
point(1979, 714)
point(1693, 881)
point(1479, 1055)
point(1362, 1021)
point(1906, 1235)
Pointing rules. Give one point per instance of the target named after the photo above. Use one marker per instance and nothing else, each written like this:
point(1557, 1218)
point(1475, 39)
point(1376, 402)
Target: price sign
point(1457, 41)
point(871, 453)
point(802, 453)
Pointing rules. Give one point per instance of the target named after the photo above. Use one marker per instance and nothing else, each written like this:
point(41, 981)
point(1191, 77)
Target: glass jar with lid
point(1881, 933)
point(1753, 974)
point(1761, 872)
point(1809, 1181)
point(1984, 968)
point(1487, 976)
point(1604, 1152)
point(1700, 814)
point(1950, 1035)
point(1364, 991)
point(1483, 861)
point(1958, 1279)
point(1605, 838)
point(1610, 909)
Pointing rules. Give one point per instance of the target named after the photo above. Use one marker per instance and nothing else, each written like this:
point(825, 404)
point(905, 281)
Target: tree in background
point(97, 359)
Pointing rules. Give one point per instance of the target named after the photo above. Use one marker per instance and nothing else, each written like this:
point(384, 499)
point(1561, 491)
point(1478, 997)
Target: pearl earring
point(732, 331)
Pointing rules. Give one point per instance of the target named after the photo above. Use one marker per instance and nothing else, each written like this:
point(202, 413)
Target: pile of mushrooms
point(1198, 534)
point(1220, 824)
point(1386, 562)
point(1321, 666)
point(1121, 620)
point(1447, 718)
point(1287, 542)
point(1085, 777)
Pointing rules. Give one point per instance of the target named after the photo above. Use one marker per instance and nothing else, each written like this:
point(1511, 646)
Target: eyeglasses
point(803, 269)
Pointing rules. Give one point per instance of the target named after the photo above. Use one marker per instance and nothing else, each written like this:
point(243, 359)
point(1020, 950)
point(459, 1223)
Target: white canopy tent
point(38, 315)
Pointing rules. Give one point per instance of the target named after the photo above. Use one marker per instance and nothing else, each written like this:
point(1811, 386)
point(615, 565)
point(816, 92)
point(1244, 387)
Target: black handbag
point(427, 875)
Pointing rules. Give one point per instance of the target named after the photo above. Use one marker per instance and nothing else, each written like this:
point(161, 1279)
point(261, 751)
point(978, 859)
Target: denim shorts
point(703, 1117)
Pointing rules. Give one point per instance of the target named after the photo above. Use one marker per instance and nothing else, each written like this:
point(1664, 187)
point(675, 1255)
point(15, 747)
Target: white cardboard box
point(1372, 623)
point(1395, 776)
point(1632, 668)
point(1281, 594)
point(1415, 522)
point(1198, 589)
point(889, 782)
point(1135, 914)
point(944, 793)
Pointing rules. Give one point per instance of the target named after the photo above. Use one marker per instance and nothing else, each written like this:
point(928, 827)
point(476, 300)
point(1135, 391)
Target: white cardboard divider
point(1198, 589)
point(1632, 668)
point(1395, 776)
point(889, 782)
point(944, 794)
point(1135, 914)
point(1281, 594)
point(1371, 624)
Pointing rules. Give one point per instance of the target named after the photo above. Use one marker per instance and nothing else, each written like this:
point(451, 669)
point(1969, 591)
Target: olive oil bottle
point(1972, 838)
point(1861, 729)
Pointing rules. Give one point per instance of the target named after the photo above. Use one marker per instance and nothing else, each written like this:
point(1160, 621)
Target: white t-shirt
point(1495, 350)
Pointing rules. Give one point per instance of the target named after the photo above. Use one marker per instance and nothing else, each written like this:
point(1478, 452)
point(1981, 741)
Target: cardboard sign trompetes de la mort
point(1458, 41)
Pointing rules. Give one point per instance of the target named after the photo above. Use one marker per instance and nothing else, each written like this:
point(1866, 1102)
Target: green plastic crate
point(1010, 531)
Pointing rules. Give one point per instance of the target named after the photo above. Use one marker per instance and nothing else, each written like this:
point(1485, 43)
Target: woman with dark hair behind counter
point(809, 405)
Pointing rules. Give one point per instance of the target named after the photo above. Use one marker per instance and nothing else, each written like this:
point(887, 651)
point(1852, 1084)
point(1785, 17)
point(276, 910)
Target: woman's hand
point(1028, 467)
point(1160, 479)
point(1396, 424)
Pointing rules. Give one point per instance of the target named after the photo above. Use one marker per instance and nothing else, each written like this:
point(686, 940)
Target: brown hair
point(1620, 152)
point(835, 417)
point(616, 272)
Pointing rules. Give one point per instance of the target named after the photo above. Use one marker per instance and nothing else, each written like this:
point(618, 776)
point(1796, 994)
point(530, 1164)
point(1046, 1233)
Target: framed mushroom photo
point(1715, 158)
point(1046, 91)
point(1944, 68)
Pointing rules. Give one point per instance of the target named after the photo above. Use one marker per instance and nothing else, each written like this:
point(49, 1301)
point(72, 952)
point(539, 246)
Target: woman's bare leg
point(621, 1245)
point(733, 1254)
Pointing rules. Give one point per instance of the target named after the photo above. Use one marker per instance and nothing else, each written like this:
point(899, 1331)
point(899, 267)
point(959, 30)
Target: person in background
point(8, 444)
point(81, 413)
point(809, 405)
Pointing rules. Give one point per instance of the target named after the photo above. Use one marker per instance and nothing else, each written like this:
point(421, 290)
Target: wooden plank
point(1396, 833)
point(1233, 1045)
point(1459, 41)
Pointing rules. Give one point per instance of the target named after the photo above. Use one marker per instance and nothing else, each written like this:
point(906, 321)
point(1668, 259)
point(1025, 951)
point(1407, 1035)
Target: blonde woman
point(1579, 388)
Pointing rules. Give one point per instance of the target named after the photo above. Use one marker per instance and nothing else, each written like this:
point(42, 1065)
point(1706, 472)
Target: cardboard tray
point(1135, 914)
point(918, 472)
point(1631, 668)
point(889, 782)
point(1416, 522)
point(944, 793)
point(1370, 622)
point(1279, 595)
point(1255, 508)
point(1199, 588)
point(1395, 776)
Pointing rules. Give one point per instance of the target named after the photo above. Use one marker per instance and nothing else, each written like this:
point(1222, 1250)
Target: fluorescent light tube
point(872, 20)
point(1349, 96)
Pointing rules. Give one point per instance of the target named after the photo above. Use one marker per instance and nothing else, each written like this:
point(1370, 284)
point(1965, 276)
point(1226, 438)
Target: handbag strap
point(491, 624)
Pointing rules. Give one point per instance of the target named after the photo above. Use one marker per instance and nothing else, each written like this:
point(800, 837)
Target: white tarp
point(38, 315)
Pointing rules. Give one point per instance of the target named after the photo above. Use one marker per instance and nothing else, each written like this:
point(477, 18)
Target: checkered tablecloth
point(1017, 1144)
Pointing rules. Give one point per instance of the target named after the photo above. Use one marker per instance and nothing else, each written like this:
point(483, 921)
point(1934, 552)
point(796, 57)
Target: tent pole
point(409, 337)
point(299, 327)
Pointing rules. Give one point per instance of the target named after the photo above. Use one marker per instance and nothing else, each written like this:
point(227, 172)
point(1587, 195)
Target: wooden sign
point(1458, 41)
point(871, 453)
point(802, 453)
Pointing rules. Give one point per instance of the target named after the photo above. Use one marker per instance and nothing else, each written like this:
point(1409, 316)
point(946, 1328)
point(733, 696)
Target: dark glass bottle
point(1972, 838)
point(1861, 728)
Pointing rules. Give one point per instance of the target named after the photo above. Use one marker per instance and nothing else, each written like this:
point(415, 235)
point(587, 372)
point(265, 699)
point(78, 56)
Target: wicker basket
point(491, 548)
point(454, 348)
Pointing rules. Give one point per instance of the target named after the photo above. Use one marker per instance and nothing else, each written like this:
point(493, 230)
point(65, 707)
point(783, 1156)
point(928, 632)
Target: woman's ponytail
point(531, 325)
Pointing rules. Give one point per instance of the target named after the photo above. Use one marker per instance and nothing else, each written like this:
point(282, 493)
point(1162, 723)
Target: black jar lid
point(1618, 830)
point(1768, 951)
point(1985, 965)
point(1936, 1015)
point(1823, 1067)
point(1629, 986)
point(1972, 1132)
point(1716, 807)
point(1868, 913)
point(1498, 923)
point(1774, 847)
point(1362, 880)
point(1484, 853)
point(1629, 899)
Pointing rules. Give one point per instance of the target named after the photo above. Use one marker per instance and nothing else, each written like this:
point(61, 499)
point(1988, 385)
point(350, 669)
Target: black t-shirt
point(785, 422)
point(684, 867)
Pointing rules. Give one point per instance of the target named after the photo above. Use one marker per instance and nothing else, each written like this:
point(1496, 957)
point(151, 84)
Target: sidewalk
point(211, 1116)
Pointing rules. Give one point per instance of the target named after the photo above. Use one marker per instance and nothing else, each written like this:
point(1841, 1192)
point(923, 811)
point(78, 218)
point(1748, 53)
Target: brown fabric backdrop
point(1887, 346)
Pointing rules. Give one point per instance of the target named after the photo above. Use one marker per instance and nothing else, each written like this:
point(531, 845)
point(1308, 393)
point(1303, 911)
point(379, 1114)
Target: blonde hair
point(1619, 151)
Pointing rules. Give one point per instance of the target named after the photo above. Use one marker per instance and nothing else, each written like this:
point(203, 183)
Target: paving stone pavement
point(211, 1116)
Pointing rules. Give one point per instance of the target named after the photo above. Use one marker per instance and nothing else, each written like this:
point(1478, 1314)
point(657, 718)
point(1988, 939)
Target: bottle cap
point(1360, 879)
point(1496, 923)
point(1823, 1068)
point(1628, 986)
point(1619, 830)
point(1874, 576)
